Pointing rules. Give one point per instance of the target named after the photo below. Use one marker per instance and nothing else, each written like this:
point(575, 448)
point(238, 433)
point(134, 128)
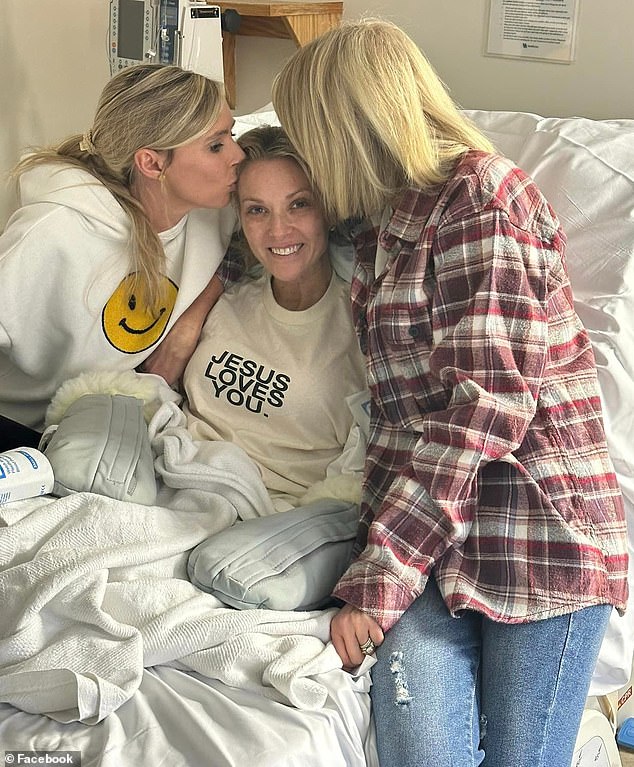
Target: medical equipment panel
point(183, 32)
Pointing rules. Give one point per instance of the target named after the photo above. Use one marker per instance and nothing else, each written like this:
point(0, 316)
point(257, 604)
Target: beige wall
point(453, 35)
point(53, 63)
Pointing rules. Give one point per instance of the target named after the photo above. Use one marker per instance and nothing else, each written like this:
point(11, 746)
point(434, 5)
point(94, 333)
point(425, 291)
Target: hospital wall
point(53, 63)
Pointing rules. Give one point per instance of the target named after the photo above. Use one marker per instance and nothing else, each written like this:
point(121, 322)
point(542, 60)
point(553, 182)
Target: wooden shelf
point(300, 21)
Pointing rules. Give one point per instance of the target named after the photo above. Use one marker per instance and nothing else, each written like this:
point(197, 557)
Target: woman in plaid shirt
point(492, 540)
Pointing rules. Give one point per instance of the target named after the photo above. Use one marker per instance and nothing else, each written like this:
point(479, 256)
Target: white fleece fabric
point(63, 255)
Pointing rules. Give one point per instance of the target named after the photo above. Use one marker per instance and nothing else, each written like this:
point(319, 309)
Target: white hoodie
point(63, 258)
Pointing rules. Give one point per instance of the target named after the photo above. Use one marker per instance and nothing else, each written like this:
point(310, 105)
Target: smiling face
point(283, 222)
point(128, 324)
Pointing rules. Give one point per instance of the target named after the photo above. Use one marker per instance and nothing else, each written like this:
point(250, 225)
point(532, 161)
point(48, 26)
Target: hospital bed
point(107, 649)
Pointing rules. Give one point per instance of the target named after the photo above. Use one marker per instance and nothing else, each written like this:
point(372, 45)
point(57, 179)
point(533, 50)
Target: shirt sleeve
point(232, 266)
point(489, 346)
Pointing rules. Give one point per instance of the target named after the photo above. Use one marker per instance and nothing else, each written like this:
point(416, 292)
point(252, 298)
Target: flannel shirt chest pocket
point(399, 346)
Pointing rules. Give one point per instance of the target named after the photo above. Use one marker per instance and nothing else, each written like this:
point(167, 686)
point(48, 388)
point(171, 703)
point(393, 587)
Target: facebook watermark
point(15, 758)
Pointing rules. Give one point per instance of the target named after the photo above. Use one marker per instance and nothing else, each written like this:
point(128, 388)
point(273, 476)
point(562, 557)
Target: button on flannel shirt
point(487, 460)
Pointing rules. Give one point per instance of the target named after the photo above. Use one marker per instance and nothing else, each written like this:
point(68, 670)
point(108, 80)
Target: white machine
point(183, 32)
point(596, 743)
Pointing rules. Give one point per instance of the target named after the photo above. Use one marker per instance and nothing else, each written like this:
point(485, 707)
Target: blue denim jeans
point(459, 692)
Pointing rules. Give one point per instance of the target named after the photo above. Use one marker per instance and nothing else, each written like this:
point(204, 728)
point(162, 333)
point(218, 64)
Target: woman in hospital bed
point(109, 264)
point(278, 369)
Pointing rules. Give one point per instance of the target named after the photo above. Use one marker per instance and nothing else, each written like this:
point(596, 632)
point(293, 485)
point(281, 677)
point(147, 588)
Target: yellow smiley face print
point(128, 324)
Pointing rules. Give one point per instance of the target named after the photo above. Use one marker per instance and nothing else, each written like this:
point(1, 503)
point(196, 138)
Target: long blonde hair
point(150, 105)
point(370, 116)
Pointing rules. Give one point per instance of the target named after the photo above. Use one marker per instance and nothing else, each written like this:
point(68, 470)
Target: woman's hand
point(351, 628)
point(171, 356)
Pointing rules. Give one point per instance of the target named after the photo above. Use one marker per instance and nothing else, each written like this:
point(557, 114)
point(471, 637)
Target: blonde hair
point(150, 105)
point(370, 116)
point(266, 142)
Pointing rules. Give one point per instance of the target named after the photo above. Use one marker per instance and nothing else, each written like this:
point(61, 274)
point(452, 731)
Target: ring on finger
point(368, 647)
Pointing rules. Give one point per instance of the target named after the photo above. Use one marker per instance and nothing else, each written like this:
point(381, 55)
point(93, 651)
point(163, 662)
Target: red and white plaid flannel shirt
point(487, 459)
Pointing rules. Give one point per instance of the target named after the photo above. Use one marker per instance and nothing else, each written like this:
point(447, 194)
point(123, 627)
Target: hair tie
point(86, 144)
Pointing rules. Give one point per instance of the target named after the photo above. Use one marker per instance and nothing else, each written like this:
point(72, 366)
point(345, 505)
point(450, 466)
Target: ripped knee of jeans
point(397, 668)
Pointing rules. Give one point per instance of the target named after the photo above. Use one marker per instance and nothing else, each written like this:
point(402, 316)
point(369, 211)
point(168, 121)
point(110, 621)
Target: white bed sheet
point(181, 719)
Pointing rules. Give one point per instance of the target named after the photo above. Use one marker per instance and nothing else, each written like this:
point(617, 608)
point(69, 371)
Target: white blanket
point(92, 590)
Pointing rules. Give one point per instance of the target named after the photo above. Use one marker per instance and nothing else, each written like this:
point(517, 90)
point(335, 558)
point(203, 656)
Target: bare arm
point(171, 356)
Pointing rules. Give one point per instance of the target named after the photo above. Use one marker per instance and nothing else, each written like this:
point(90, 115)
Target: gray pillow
point(101, 445)
point(287, 561)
